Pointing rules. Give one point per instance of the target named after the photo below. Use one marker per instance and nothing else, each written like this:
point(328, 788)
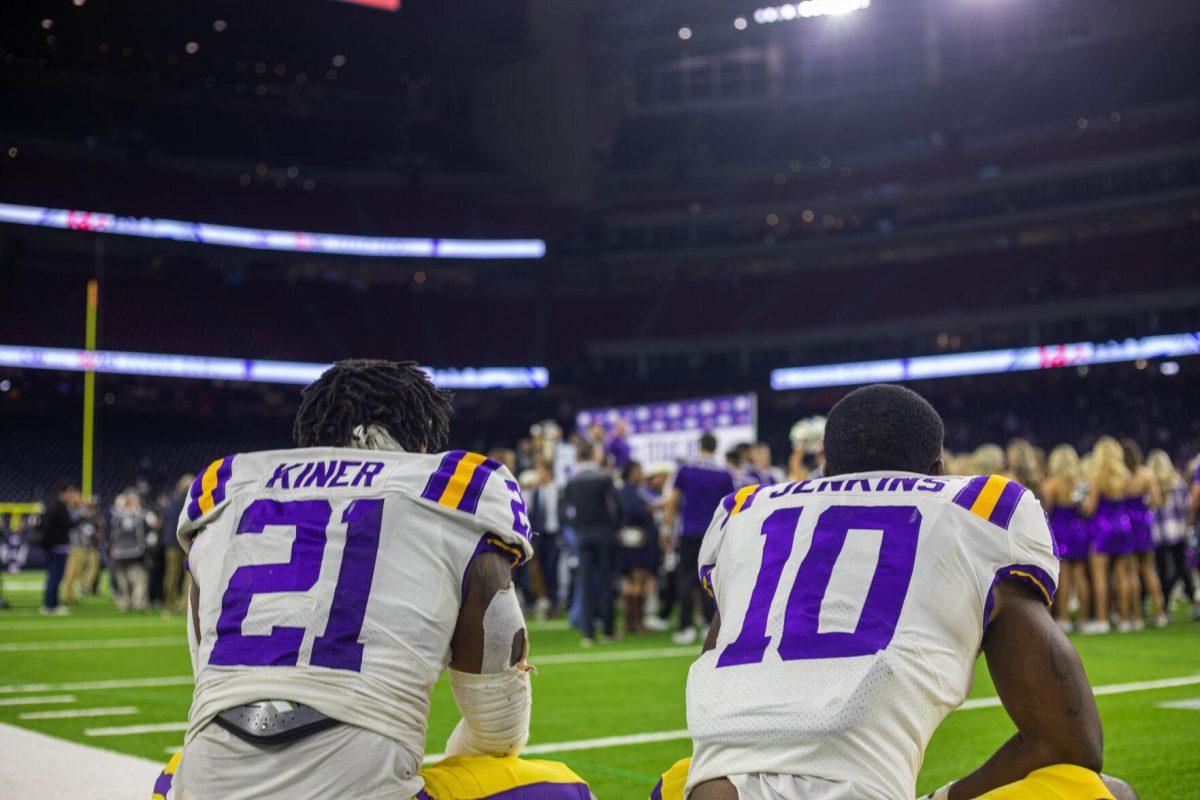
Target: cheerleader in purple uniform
point(1145, 499)
point(1116, 540)
point(1061, 493)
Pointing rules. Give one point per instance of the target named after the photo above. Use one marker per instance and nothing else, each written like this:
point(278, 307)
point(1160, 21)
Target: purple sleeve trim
point(1032, 575)
point(489, 543)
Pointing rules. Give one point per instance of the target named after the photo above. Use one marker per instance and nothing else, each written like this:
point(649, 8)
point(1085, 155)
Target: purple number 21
point(338, 647)
point(801, 638)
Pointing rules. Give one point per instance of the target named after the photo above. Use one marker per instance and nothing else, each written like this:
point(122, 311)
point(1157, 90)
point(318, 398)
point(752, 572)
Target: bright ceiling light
point(806, 9)
point(685, 33)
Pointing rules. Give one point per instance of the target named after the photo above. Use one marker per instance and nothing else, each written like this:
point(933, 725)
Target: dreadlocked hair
point(396, 395)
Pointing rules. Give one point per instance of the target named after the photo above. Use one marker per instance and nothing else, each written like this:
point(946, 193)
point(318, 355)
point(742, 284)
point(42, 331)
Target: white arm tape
point(495, 713)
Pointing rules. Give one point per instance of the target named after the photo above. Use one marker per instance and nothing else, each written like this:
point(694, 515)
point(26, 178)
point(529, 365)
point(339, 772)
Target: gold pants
point(83, 565)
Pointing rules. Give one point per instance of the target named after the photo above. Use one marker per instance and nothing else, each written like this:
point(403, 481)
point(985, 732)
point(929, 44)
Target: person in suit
point(593, 510)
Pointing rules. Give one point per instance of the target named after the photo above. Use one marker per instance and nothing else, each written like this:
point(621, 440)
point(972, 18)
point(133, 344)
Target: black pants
point(545, 549)
point(1172, 567)
point(56, 565)
point(596, 572)
point(687, 575)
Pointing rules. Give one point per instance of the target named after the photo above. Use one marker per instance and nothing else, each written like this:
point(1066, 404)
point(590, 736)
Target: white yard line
point(72, 713)
point(89, 623)
point(645, 653)
point(1112, 688)
point(95, 644)
point(37, 700)
point(131, 730)
point(85, 686)
point(1185, 705)
point(590, 744)
point(24, 586)
point(667, 736)
point(41, 766)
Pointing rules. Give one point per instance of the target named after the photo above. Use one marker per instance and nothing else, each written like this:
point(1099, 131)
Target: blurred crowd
point(132, 538)
point(614, 533)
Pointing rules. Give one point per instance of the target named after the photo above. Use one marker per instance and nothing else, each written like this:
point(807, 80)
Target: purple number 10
point(885, 598)
point(338, 647)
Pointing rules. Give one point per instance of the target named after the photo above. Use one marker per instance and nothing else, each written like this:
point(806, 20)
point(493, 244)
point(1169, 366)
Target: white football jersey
point(852, 612)
point(333, 577)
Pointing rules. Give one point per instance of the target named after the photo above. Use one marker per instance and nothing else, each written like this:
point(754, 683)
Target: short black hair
point(882, 427)
point(396, 395)
point(708, 443)
point(586, 451)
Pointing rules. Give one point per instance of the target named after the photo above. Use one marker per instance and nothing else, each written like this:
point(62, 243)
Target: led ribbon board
point(386, 5)
point(666, 432)
point(246, 369)
point(986, 362)
point(255, 239)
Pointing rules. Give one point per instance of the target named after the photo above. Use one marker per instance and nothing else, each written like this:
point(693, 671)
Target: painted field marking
point(71, 713)
point(18, 587)
point(590, 744)
point(37, 700)
point(616, 655)
point(1112, 688)
point(95, 644)
point(131, 730)
point(85, 686)
point(667, 736)
point(103, 622)
point(1186, 705)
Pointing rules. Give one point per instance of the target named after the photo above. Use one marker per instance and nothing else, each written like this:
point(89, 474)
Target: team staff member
point(594, 512)
point(696, 490)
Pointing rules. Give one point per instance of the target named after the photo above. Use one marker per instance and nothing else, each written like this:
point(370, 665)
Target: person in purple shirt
point(617, 446)
point(695, 492)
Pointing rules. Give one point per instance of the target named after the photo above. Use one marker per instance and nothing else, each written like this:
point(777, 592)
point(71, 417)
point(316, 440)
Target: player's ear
point(938, 467)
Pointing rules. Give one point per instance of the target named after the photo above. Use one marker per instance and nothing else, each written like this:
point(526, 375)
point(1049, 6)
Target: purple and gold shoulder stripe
point(459, 480)
point(992, 498)
point(739, 501)
point(208, 490)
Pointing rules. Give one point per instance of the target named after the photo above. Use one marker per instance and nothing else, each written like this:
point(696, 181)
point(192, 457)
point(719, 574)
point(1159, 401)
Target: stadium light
point(987, 362)
point(285, 241)
point(248, 370)
point(807, 9)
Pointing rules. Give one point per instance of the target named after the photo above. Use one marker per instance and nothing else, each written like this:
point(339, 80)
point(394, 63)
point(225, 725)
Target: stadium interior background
point(916, 179)
point(719, 196)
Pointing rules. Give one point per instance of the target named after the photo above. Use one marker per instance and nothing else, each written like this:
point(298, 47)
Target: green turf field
point(137, 664)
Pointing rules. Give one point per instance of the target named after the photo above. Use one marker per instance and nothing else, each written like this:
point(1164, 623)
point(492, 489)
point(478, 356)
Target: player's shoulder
point(461, 480)
point(994, 499)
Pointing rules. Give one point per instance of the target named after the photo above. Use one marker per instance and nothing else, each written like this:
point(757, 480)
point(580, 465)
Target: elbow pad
point(495, 713)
